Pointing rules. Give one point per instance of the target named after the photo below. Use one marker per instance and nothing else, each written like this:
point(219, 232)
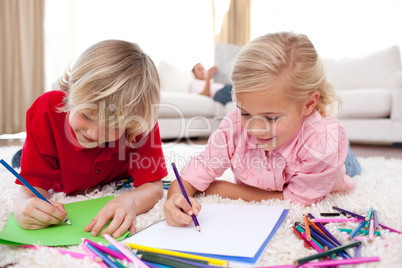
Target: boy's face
point(89, 132)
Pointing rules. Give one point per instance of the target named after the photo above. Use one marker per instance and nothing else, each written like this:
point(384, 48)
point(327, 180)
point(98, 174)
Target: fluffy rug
point(378, 186)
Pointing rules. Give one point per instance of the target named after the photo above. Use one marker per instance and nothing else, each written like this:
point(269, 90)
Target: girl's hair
point(118, 81)
point(283, 60)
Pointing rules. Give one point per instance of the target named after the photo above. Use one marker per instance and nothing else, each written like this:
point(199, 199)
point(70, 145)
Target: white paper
point(230, 230)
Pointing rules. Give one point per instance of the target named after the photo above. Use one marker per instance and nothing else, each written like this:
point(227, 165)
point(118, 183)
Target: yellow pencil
point(178, 254)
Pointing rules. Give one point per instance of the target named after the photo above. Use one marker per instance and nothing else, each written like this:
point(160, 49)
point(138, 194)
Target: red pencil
point(297, 233)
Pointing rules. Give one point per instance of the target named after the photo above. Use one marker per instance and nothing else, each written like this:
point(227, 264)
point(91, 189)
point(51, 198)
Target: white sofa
point(370, 87)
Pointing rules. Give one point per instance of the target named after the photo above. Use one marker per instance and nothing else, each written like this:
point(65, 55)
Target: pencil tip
point(68, 222)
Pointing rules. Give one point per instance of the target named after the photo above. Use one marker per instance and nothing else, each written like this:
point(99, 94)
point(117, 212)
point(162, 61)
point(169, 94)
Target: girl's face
point(271, 118)
point(89, 132)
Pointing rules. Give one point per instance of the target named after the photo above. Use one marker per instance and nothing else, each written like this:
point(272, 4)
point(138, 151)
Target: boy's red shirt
point(53, 159)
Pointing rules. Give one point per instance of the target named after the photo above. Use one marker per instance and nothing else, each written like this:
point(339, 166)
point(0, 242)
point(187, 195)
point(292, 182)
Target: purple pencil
point(389, 228)
point(183, 191)
point(322, 227)
point(351, 213)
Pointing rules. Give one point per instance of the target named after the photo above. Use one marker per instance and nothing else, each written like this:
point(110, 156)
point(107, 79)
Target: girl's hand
point(32, 212)
point(178, 211)
point(121, 210)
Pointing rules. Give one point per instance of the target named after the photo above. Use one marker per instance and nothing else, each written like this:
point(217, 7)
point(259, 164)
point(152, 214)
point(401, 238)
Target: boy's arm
point(32, 212)
point(123, 210)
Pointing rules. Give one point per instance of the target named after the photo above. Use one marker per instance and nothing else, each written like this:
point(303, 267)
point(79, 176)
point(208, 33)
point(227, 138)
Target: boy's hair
point(118, 81)
point(285, 60)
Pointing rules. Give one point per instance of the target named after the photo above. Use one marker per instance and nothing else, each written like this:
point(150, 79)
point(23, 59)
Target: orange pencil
point(307, 228)
point(316, 226)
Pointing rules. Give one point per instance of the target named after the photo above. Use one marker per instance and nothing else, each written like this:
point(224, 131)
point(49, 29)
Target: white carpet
point(378, 186)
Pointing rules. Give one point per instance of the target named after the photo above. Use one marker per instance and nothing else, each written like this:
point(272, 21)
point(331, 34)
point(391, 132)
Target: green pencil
point(326, 253)
point(367, 224)
point(166, 261)
point(377, 233)
point(146, 253)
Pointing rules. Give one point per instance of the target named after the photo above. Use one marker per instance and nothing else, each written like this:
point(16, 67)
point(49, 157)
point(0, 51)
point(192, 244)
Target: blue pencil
point(105, 258)
point(183, 190)
point(29, 186)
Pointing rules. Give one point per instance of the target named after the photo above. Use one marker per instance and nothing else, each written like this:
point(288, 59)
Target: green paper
point(62, 234)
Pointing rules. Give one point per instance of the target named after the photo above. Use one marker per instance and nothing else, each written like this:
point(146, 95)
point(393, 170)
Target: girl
point(282, 142)
point(98, 128)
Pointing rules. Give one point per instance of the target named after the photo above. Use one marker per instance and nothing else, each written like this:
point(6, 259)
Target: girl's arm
point(177, 210)
point(122, 210)
point(247, 193)
point(31, 212)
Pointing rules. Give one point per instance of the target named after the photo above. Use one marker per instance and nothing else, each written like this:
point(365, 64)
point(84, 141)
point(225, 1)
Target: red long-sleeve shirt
point(52, 159)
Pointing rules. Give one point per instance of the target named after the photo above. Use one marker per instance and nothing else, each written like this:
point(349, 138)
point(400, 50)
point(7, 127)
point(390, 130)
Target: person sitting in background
point(203, 85)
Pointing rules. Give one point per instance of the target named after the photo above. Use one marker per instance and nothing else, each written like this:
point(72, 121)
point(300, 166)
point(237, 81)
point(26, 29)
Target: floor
point(360, 150)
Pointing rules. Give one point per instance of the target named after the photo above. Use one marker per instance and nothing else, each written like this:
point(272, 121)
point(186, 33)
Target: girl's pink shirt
point(308, 167)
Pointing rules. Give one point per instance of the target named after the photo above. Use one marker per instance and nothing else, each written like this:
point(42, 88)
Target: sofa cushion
point(365, 103)
point(174, 78)
point(185, 105)
point(375, 70)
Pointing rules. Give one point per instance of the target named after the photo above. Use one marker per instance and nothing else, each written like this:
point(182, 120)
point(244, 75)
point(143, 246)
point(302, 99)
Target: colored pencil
point(325, 241)
point(307, 228)
point(330, 214)
point(356, 230)
point(298, 234)
point(105, 258)
point(350, 213)
point(101, 264)
point(125, 252)
point(104, 249)
point(369, 215)
point(301, 230)
point(324, 220)
point(166, 261)
point(29, 186)
point(322, 227)
point(389, 228)
point(375, 216)
point(312, 243)
point(183, 190)
point(326, 253)
point(371, 231)
point(341, 262)
point(358, 251)
point(179, 254)
point(67, 252)
point(142, 252)
point(377, 233)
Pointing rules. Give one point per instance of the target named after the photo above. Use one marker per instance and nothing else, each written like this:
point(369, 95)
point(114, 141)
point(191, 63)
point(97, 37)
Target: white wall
point(337, 28)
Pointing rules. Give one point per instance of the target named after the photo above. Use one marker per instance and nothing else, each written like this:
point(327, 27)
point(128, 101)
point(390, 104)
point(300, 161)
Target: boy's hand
point(121, 211)
point(178, 211)
point(32, 212)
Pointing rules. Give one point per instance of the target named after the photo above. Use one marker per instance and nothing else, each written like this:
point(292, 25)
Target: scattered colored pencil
point(322, 227)
point(100, 254)
point(183, 190)
point(125, 252)
point(356, 230)
point(371, 231)
point(313, 244)
point(301, 230)
point(341, 262)
point(389, 228)
point(179, 254)
point(330, 214)
point(377, 233)
point(298, 234)
point(325, 220)
point(326, 253)
point(351, 213)
point(375, 216)
point(369, 215)
point(101, 264)
point(29, 186)
point(307, 228)
point(104, 249)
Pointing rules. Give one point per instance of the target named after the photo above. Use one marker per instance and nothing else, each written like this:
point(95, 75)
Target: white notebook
point(239, 231)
